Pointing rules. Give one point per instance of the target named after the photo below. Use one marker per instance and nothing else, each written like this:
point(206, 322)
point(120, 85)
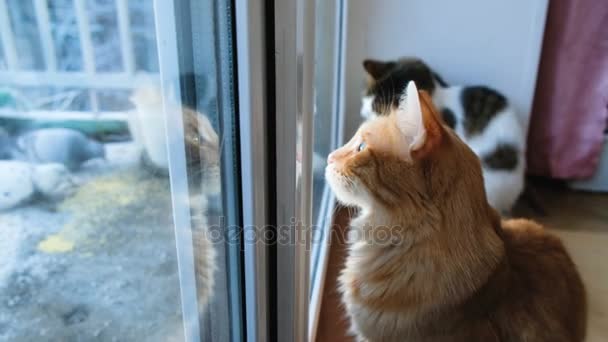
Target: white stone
point(16, 184)
point(53, 181)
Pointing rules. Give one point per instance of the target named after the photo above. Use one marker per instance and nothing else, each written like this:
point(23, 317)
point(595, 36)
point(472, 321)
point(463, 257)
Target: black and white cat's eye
point(361, 146)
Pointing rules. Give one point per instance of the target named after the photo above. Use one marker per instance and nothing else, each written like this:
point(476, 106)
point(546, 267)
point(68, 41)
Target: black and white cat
point(480, 116)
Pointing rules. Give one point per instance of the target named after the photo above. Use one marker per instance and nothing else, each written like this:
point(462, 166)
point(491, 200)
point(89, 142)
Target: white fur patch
point(148, 124)
point(348, 191)
point(502, 187)
point(366, 107)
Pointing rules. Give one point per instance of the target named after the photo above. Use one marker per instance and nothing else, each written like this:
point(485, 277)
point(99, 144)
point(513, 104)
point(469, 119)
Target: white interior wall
point(473, 42)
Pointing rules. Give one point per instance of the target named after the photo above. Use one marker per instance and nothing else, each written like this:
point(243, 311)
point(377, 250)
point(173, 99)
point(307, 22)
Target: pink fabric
point(570, 111)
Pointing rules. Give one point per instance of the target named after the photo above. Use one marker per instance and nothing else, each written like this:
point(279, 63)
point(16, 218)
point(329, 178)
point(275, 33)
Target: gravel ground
point(98, 266)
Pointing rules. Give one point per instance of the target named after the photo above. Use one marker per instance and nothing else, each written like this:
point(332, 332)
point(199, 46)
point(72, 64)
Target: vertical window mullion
point(252, 107)
point(294, 69)
point(165, 19)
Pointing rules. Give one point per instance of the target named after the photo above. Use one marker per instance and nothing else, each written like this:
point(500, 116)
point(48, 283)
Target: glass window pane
point(326, 136)
point(92, 244)
point(204, 43)
point(325, 102)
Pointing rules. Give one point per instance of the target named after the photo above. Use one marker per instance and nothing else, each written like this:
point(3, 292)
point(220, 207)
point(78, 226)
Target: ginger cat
point(429, 259)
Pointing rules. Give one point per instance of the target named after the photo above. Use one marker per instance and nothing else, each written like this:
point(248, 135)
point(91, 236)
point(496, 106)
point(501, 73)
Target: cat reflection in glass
point(147, 127)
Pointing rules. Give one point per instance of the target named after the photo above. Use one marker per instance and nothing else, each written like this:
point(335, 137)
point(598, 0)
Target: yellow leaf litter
point(99, 208)
point(55, 244)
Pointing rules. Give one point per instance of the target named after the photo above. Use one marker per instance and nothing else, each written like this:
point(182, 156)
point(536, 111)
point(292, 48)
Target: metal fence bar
point(84, 35)
point(86, 45)
point(44, 29)
point(53, 115)
point(88, 79)
point(78, 80)
point(126, 42)
point(94, 102)
point(8, 40)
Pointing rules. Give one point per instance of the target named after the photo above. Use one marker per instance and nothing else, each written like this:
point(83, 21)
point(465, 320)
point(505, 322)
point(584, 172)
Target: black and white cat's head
point(386, 81)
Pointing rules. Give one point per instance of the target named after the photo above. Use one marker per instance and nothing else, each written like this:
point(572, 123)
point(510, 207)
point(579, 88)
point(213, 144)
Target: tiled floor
point(579, 218)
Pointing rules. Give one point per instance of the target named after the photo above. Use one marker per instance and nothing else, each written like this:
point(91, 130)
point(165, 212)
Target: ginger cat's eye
point(361, 146)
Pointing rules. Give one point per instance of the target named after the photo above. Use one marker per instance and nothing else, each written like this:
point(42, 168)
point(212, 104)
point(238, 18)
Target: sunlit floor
point(581, 220)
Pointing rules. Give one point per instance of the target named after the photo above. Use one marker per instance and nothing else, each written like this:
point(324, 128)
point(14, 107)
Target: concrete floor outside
point(99, 265)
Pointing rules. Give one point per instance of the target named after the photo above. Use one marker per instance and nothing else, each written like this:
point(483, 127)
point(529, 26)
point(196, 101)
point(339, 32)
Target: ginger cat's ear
point(377, 69)
point(417, 120)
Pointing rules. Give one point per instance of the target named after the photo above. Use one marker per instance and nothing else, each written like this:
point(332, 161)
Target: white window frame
point(251, 76)
point(293, 50)
point(327, 208)
point(165, 22)
point(294, 35)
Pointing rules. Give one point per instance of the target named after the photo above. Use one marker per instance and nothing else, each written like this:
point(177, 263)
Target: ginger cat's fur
point(450, 270)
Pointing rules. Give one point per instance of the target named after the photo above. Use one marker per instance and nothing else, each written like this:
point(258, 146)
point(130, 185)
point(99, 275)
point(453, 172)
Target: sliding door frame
point(166, 33)
point(294, 35)
point(252, 81)
point(275, 58)
point(338, 10)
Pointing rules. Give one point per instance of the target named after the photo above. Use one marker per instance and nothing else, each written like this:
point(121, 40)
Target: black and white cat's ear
point(410, 117)
point(377, 69)
point(418, 120)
